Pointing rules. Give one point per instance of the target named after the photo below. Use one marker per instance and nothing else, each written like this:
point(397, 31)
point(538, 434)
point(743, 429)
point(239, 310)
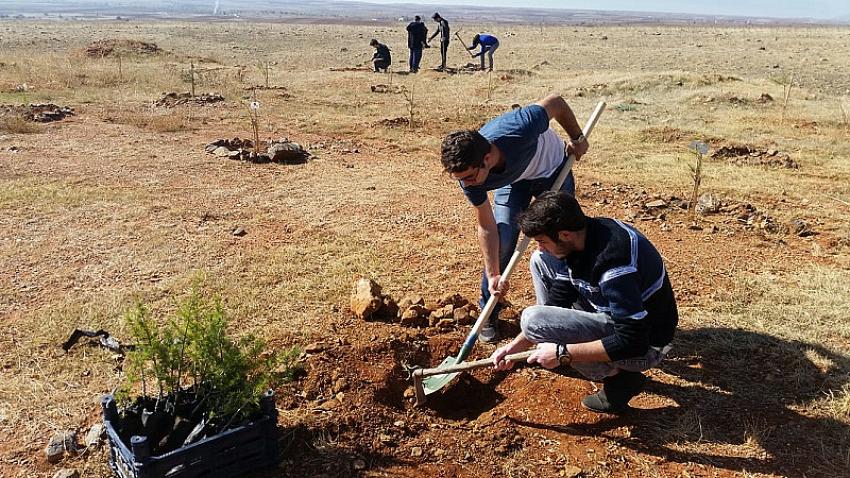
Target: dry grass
point(18, 126)
point(121, 203)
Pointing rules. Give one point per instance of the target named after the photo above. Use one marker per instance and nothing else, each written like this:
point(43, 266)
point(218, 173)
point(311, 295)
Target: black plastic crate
point(229, 454)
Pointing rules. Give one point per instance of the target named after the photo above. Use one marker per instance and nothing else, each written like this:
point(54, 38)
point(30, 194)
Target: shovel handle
point(523, 243)
point(463, 366)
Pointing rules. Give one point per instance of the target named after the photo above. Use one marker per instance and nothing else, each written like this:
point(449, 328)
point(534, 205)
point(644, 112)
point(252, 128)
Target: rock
point(433, 319)
point(389, 308)
point(287, 152)
point(409, 392)
point(358, 464)
point(366, 298)
point(340, 384)
point(694, 226)
point(94, 436)
point(447, 311)
point(411, 300)
point(59, 444)
point(315, 347)
point(239, 232)
point(385, 439)
point(570, 471)
point(462, 317)
point(708, 203)
point(800, 228)
point(221, 151)
point(416, 452)
point(446, 323)
point(454, 299)
point(329, 404)
point(67, 473)
point(657, 203)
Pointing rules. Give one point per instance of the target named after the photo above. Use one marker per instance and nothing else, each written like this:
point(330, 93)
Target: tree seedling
point(699, 150)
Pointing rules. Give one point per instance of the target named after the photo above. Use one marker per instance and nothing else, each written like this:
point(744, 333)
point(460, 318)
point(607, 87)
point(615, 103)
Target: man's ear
point(565, 236)
point(490, 157)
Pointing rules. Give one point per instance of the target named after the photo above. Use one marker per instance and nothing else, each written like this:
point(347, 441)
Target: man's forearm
point(561, 112)
point(488, 240)
point(588, 352)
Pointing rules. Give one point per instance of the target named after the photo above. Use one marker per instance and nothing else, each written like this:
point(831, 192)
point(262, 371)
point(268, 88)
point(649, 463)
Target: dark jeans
point(508, 202)
point(415, 58)
point(381, 65)
point(444, 50)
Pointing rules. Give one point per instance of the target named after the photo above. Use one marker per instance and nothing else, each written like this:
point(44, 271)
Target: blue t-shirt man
point(518, 156)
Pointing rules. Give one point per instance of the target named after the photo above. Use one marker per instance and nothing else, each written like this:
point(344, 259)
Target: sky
point(820, 9)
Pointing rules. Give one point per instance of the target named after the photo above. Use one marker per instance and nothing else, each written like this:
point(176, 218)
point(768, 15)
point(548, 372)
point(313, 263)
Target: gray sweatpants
point(548, 324)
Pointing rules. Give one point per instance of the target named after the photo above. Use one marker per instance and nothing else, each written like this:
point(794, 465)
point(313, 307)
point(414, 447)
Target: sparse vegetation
point(16, 125)
point(122, 202)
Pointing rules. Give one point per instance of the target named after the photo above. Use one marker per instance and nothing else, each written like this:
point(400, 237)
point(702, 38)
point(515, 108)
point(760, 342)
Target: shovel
point(464, 45)
point(420, 373)
point(435, 382)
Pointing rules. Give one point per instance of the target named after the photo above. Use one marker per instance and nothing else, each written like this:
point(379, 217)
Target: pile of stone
point(279, 151)
point(741, 154)
point(37, 112)
point(172, 99)
point(369, 303)
point(382, 88)
point(108, 47)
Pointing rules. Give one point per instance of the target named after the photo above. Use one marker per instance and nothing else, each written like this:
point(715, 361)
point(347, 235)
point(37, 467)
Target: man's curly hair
point(463, 149)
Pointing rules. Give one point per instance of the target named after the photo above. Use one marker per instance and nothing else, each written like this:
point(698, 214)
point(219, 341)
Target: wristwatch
point(564, 356)
point(579, 139)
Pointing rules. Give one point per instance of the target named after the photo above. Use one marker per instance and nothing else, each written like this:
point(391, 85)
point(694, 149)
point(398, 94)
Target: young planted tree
point(203, 376)
point(699, 150)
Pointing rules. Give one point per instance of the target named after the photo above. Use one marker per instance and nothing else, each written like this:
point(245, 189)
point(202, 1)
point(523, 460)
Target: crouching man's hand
point(546, 355)
point(499, 362)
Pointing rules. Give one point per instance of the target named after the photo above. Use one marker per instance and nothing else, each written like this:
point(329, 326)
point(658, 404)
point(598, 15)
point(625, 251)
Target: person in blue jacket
point(488, 44)
point(605, 305)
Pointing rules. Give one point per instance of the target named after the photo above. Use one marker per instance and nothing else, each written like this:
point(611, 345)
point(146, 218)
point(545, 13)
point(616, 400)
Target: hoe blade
point(435, 382)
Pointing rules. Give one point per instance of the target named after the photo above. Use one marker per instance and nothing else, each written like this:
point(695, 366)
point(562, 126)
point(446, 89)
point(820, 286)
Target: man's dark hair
point(417, 18)
point(373, 42)
point(550, 213)
point(436, 16)
point(463, 149)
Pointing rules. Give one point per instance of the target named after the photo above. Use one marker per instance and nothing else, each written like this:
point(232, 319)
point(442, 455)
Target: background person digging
point(488, 44)
point(518, 156)
point(381, 59)
point(604, 301)
point(443, 31)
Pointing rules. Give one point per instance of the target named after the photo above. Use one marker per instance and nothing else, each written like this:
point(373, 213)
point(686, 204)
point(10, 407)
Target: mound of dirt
point(280, 151)
point(394, 122)
point(172, 99)
point(37, 112)
point(747, 155)
point(109, 47)
point(382, 88)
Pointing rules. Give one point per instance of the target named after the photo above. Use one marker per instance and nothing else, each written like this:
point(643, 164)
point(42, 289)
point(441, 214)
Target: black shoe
point(489, 333)
point(616, 393)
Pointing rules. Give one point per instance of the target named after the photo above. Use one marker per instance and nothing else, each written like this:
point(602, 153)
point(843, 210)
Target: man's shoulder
point(516, 121)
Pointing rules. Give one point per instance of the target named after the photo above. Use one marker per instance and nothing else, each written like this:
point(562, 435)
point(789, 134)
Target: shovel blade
point(436, 382)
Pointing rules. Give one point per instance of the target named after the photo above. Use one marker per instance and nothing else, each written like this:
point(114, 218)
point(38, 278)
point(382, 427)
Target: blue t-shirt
point(515, 133)
point(487, 40)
